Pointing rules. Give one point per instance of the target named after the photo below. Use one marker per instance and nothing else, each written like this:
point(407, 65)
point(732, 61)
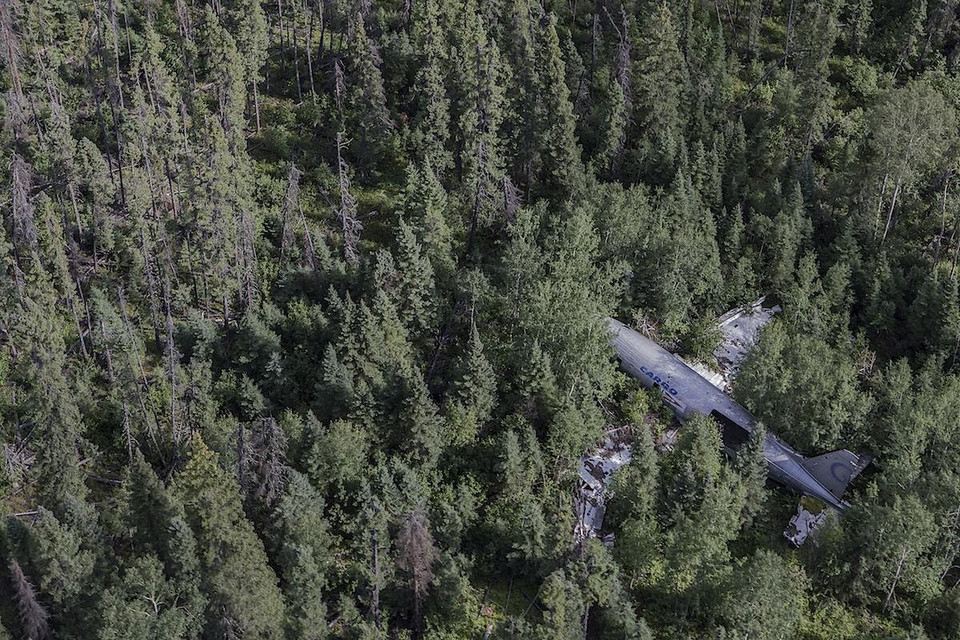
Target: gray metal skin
point(688, 393)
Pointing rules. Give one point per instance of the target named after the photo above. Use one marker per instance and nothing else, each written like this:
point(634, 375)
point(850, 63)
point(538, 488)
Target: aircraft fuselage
point(688, 393)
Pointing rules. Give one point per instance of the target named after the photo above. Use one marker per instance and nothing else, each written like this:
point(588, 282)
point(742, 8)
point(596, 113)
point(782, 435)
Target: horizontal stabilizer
point(836, 469)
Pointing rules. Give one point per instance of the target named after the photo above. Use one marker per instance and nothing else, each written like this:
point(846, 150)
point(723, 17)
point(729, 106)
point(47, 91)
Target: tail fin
point(836, 469)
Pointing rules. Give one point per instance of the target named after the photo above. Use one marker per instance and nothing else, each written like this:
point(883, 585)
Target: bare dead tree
point(33, 617)
point(417, 554)
point(309, 252)
point(904, 552)
point(243, 460)
point(16, 116)
point(621, 59)
point(143, 384)
point(347, 210)
point(178, 434)
point(339, 85)
point(269, 445)
point(375, 553)
point(261, 462)
point(248, 262)
point(406, 15)
point(365, 6)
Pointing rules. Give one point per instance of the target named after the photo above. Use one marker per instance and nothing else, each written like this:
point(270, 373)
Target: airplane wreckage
point(822, 480)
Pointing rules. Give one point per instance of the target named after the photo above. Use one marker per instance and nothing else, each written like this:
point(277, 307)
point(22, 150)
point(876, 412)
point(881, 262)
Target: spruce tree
point(559, 151)
point(302, 557)
point(425, 205)
point(367, 121)
point(472, 395)
point(416, 290)
point(659, 93)
point(241, 587)
point(432, 115)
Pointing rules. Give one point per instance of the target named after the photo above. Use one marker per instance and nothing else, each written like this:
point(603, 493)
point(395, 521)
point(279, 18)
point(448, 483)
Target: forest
point(302, 315)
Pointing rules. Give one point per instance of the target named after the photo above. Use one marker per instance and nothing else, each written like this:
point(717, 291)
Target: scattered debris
point(811, 515)
point(596, 470)
point(739, 329)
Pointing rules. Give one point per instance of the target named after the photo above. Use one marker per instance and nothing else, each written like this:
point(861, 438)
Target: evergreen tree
point(432, 119)
point(159, 531)
point(415, 290)
point(303, 558)
point(472, 395)
point(559, 152)
point(765, 597)
point(425, 206)
point(241, 587)
point(367, 121)
point(658, 103)
point(145, 604)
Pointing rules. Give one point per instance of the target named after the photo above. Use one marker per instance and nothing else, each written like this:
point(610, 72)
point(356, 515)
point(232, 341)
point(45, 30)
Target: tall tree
point(559, 151)
point(415, 555)
point(242, 589)
point(367, 119)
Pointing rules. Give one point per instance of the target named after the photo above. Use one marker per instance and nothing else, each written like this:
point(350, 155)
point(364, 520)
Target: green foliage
point(804, 390)
point(178, 179)
point(765, 598)
point(144, 605)
point(241, 587)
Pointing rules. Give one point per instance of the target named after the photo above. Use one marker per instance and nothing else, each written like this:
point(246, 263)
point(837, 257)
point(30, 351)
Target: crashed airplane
point(824, 477)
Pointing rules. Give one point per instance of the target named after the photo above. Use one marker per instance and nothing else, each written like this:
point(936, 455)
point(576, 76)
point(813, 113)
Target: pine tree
point(416, 554)
point(472, 394)
point(60, 556)
point(416, 289)
point(559, 151)
point(248, 24)
point(564, 606)
point(34, 619)
point(790, 227)
point(242, 589)
point(159, 530)
point(145, 604)
point(368, 120)
point(610, 154)
point(479, 115)
point(228, 70)
point(432, 115)
point(752, 466)
point(425, 205)
point(659, 89)
point(302, 557)
point(764, 598)
point(520, 120)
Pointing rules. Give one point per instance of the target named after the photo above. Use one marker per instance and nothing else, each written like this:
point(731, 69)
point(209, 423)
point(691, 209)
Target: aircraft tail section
point(836, 469)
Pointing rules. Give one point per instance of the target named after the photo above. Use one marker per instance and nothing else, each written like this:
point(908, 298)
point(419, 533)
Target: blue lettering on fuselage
point(657, 380)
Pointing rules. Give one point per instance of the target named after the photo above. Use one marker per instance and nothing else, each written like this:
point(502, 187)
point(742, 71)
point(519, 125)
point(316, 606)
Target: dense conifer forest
point(301, 315)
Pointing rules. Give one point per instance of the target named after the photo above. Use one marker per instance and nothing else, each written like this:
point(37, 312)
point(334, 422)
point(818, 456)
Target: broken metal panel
point(809, 520)
point(740, 329)
point(596, 471)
